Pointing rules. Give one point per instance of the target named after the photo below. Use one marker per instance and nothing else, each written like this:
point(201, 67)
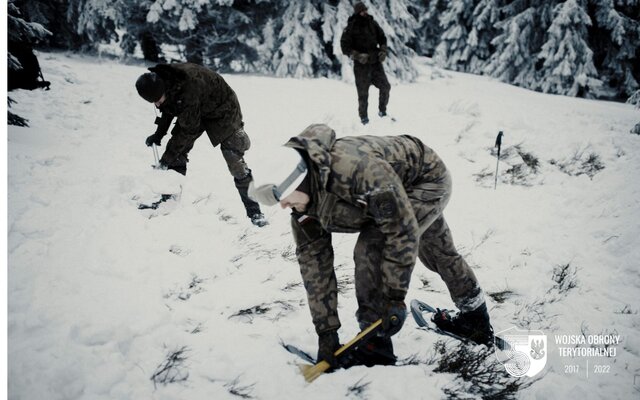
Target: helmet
point(150, 87)
point(279, 174)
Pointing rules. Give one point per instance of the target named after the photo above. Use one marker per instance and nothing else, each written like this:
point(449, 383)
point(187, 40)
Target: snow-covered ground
point(99, 295)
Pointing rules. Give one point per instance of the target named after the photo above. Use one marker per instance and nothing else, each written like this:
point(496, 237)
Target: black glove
point(362, 58)
point(153, 139)
point(395, 313)
point(328, 343)
point(382, 54)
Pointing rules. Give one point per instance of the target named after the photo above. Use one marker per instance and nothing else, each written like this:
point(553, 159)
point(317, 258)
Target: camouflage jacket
point(363, 35)
point(360, 183)
point(201, 100)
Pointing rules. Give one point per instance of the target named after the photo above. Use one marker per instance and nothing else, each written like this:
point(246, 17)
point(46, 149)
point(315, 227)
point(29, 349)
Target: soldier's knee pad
point(238, 142)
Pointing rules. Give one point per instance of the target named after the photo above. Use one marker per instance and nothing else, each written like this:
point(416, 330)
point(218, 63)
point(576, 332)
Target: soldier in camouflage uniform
point(392, 191)
point(366, 44)
point(202, 101)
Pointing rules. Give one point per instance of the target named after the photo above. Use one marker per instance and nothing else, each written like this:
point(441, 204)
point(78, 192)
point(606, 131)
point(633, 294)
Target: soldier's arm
point(315, 256)
point(184, 133)
point(163, 122)
point(380, 36)
point(175, 146)
point(345, 42)
point(389, 206)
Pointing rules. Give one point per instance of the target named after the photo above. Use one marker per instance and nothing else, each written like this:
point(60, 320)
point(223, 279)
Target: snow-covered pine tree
point(309, 34)
point(53, 16)
point(300, 49)
point(96, 20)
point(335, 15)
point(265, 44)
point(174, 22)
point(138, 31)
point(567, 59)
point(223, 34)
point(520, 38)
point(615, 38)
point(399, 26)
point(22, 35)
point(22, 31)
point(23, 67)
point(77, 24)
point(513, 57)
point(429, 30)
point(456, 24)
point(233, 32)
point(478, 46)
point(635, 100)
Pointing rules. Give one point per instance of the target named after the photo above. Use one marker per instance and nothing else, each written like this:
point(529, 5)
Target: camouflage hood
point(317, 140)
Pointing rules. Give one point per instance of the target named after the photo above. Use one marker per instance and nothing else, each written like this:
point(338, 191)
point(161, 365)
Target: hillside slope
point(100, 296)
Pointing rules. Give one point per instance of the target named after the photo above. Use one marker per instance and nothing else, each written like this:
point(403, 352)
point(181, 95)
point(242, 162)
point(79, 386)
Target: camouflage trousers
point(235, 143)
point(367, 75)
point(436, 251)
point(233, 149)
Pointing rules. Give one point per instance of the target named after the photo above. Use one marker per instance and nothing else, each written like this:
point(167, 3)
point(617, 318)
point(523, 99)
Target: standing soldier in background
point(202, 101)
point(365, 43)
point(392, 191)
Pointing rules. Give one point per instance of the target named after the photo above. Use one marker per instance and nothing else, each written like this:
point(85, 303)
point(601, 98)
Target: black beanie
point(359, 7)
point(150, 87)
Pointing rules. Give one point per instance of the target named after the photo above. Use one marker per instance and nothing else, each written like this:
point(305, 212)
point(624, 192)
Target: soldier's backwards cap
point(150, 87)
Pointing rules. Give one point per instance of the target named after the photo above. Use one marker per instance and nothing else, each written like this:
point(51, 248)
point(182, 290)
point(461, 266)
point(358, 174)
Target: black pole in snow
point(498, 145)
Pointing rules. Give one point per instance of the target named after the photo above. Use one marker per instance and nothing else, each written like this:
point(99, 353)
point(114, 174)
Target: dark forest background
point(583, 48)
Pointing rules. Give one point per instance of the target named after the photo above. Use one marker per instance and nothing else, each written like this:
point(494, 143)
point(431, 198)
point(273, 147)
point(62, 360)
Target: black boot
point(252, 208)
point(259, 220)
point(473, 325)
point(375, 351)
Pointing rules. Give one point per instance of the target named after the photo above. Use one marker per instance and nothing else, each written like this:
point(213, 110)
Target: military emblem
point(526, 353)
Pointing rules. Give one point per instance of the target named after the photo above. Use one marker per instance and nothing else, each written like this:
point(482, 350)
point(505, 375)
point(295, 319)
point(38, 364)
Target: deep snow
point(98, 294)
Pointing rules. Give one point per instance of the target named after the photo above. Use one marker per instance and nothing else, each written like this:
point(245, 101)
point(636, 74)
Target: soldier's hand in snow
point(362, 58)
point(395, 312)
point(153, 139)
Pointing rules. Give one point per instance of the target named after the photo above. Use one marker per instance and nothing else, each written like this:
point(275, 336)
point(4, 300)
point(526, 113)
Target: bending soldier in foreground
point(392, 190)
point(202, 101)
